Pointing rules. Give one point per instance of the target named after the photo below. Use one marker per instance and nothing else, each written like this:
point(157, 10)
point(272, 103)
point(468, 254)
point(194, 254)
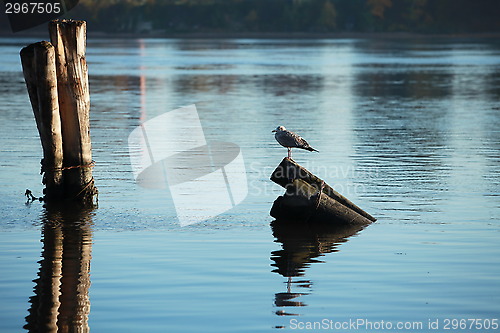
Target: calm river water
point(406, 128)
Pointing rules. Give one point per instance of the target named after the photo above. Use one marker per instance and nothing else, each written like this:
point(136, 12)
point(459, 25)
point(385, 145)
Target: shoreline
point(266, 35)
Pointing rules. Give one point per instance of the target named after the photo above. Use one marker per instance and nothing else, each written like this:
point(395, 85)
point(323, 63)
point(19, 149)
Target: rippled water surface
point(406, 128)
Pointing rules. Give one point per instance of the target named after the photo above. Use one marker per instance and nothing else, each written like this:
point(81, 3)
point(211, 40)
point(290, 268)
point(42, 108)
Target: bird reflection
point(288, 298)
point(302, 243)
point(61, 301)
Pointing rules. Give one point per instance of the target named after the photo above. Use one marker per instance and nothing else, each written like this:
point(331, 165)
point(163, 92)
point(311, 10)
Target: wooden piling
point(288, 171)
point(59, 93)
point(38, 61)
point(69, 40)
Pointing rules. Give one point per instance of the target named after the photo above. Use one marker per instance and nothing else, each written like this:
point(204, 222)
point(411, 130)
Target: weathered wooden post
point(307, 196)
point(69, 40)
point(56, 76)
point(39, 70)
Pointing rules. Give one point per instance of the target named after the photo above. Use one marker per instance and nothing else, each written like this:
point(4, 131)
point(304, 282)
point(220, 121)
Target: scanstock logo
point(25, 14)
point(204, 179)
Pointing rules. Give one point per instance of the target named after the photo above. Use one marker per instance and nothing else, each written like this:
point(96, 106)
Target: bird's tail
point(312, 149)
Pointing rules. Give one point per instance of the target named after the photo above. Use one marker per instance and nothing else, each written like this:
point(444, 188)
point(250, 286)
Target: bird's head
point(279, 129)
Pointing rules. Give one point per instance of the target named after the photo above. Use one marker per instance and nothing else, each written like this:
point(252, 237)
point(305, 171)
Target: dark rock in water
point(307, 197)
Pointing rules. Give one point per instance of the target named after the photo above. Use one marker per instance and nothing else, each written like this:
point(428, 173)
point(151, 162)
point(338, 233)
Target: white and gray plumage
point(290, 140)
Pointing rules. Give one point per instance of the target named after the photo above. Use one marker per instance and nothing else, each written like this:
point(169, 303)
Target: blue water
point(408, 129)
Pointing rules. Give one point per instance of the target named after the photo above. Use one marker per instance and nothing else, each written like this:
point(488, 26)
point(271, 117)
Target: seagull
point(291, 140)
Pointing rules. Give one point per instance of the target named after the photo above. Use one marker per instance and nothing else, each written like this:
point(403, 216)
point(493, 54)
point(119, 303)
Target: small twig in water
point(30, 195)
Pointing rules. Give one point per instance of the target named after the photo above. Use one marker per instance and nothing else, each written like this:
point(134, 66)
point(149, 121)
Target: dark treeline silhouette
point(288, 16)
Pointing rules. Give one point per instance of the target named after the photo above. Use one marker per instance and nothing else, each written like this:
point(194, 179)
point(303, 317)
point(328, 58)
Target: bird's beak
point(273, 131)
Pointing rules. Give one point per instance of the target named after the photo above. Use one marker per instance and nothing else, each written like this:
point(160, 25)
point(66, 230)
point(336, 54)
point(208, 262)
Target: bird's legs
point(289, 152)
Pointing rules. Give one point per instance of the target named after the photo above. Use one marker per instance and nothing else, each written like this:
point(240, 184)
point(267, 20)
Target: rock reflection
point(61, 294)
point(302, 243)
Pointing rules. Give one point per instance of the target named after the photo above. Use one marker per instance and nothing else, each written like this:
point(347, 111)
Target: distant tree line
point(261, 16)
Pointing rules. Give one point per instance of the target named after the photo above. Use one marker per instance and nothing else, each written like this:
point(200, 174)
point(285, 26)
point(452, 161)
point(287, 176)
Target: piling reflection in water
point(61, 301)
point(302, 243)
